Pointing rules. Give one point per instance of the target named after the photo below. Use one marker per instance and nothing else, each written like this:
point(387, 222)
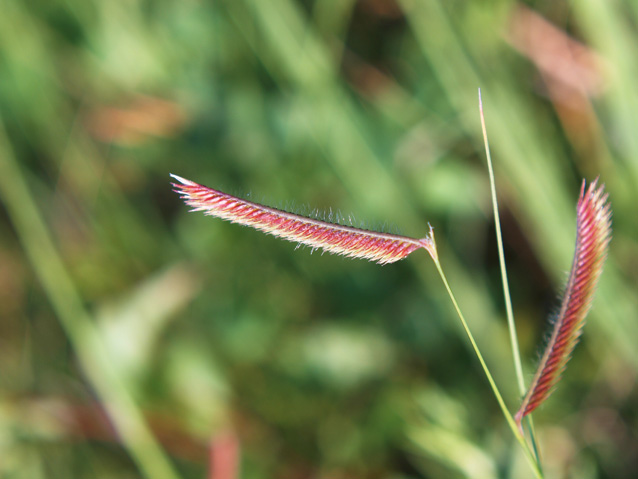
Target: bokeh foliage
point(116, 303)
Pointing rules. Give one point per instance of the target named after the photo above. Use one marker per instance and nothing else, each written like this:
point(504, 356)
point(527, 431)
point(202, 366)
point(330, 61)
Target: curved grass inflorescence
point(592, 241)
point(382, 248)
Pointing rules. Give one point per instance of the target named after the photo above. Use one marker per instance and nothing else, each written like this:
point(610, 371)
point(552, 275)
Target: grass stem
point(516, 355)
point(499, 398)
point(511, 324)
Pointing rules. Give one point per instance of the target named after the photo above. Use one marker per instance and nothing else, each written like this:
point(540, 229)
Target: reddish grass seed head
point(382, 248)
point(592, 242)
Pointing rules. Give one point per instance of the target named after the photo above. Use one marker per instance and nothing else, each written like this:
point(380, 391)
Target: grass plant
point(592, 240)
point(135, 339)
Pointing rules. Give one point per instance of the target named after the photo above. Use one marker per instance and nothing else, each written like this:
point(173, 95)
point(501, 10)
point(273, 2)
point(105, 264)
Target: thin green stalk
point(511, 324)
point(77, 323)
point(499, 398)
point(501, 258)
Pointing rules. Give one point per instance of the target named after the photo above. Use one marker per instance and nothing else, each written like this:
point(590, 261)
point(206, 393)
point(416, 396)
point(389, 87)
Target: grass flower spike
point(345, 240)
point(592, 241)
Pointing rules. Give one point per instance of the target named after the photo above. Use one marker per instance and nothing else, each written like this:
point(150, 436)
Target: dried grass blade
point(345, 240)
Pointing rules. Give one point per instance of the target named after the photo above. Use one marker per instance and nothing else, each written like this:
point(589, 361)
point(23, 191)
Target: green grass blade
point(67, 304)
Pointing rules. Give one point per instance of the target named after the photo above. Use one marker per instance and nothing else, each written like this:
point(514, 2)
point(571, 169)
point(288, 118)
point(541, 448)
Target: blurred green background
point(138, 340)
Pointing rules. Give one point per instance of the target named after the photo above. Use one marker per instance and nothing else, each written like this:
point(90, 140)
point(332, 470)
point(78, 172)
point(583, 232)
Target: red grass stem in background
point(224, 456)
point(345, 240)
point(592, 241)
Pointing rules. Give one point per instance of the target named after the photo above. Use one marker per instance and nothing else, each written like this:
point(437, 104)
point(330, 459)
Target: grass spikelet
point(592, 241)
point(382, 248)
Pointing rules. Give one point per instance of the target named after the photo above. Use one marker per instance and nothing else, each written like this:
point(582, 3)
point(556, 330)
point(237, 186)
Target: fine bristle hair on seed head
point(350, 241)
